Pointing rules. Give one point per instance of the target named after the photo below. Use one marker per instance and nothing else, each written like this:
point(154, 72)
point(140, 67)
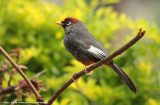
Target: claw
point(85, 70)
point(88, 73)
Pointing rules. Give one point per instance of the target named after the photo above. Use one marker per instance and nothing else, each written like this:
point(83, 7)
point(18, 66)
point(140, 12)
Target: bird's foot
point(85, 70)
point(73, 78)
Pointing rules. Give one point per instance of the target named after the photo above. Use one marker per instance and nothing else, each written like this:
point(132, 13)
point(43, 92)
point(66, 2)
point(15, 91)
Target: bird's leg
point(85, 70)
point(73, 77)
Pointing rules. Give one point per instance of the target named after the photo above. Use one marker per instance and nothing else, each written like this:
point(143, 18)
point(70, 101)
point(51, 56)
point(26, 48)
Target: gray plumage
point(86, 48)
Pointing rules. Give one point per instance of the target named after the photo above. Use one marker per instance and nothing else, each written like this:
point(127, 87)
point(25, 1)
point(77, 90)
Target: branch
point(3, 69)
point(38, 74)
point(38, 96)
point(15, 53)
point(11, 89)
point(7, 90)
point(97, 64)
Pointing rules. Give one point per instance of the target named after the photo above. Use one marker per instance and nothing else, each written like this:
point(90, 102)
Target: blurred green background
point(30, 24)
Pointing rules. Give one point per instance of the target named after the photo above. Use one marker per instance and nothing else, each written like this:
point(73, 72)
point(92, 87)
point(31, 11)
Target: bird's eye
point(68, 23)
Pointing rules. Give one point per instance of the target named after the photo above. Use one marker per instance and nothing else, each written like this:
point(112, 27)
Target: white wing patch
point(97, 52)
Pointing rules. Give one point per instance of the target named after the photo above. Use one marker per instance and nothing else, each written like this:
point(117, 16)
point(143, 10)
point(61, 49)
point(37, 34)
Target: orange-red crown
point(73, 20)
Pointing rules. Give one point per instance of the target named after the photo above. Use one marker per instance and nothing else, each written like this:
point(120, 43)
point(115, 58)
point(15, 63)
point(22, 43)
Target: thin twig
point(10, 78)
point(15, 53)
point(97, 64)
point(38, 74)
point(38, 96)
point(3, 69)
point(11, 89)
point(8, 90)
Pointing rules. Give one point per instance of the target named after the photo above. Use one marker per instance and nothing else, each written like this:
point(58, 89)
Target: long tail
point(122, 75)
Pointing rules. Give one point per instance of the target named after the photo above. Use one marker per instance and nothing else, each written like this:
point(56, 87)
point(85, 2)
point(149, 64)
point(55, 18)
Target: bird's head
point(67, 22)
point(72, 25)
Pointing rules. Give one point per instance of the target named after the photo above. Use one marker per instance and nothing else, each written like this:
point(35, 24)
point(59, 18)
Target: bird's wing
point(96, 52)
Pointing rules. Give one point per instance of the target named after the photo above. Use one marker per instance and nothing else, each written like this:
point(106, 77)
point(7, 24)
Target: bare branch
point(4, 67)
point(38, 74)
point(7, 90)
point(38, 96)
point(17, 51)
point(97, 64)
point(11, 89)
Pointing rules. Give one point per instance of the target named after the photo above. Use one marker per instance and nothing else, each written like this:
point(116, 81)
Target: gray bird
point(87, 49)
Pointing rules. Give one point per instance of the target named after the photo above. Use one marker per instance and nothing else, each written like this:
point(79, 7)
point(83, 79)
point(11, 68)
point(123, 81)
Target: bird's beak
point(59, 23)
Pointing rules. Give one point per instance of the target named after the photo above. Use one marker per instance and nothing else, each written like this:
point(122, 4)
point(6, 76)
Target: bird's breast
point(70, 43)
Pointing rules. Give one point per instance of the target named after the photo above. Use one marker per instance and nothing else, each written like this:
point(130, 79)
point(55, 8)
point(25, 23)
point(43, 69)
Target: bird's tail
point(122, 75)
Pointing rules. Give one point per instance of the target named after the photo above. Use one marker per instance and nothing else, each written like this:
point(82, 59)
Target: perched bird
point(86, 48)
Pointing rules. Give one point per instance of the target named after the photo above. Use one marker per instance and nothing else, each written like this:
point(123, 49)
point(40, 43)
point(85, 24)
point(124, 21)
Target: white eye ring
point(68, 23)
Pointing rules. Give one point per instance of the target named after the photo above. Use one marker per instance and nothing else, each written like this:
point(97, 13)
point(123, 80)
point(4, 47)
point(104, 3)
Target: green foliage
point(30, 24)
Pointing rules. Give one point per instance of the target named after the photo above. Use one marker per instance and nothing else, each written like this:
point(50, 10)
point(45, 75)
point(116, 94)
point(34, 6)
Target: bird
point(87, 49)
